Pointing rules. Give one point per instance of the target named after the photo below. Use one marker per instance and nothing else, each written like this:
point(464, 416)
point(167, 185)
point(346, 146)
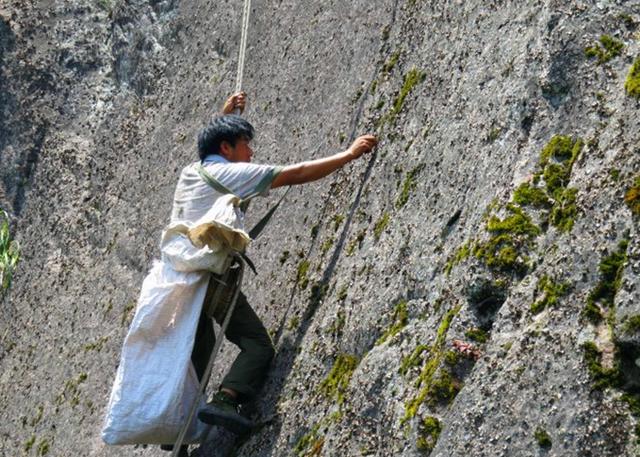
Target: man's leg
point(249, 371)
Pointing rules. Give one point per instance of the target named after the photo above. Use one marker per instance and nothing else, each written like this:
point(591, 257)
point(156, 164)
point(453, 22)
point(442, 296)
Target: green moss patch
point(477, 334)
point(96, 345)
point(461, 254)
point(335, 384)
point(428, 434)
point(380, 225)
point(603, 377)
point(411, 80)
point(542, 438)
point(551, 292)
point(616, 376)
point(327, 245)
point(301, 277)
point(337, 221)
point(548, 189)
point(632, 197)
point(561, 148)
point(71, 391)
point(293, 323)
point(435, 382)
point(29, 443)
point(400, 319)
point(390, 64)
point(355, 242)
point(529, 195)
point(602, 296)
point(9, 253)
point(408, 186)
point(632, 325)
point(632, 83)
point(309, 442)
point(564, 211)
point(607, 49)
point(510, 238)
point(43, 447)
point(414, 359)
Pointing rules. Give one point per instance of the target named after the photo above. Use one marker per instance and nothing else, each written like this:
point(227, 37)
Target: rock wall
point(469, 289)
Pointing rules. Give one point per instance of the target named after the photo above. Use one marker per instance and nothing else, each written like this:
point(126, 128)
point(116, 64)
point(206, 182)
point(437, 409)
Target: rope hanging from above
point(243, 44)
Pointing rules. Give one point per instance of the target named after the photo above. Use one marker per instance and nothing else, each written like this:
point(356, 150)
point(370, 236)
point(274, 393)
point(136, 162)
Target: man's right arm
point(312, 170)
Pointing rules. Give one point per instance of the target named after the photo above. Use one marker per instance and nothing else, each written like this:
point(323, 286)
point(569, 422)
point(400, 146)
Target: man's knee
point(262, 352)
point(267, 352)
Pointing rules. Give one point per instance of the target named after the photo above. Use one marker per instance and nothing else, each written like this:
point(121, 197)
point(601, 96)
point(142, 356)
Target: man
point(224, 147)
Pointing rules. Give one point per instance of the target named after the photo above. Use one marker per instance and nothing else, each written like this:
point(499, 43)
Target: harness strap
point(213, 182)
point(262, 223)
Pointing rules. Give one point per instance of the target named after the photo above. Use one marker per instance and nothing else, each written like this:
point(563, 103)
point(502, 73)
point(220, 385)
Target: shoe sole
point(232, 422)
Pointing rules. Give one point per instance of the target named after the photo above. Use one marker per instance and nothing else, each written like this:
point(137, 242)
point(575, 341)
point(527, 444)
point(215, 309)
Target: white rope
point(243, 44)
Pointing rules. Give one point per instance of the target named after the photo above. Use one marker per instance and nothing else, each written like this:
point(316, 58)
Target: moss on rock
point(564, 210)
point(414, 359)
point(529, 195)
point(400, 319)
point(551, 290)
point(436, 384)
point(411, 80)
point(632, 83)
point(602, 377)
point(632, 325)
point(380, 225)
point(477, 334)
point(632, 197)
point(428, 434)
point(509, 238)
point(608, 48)
point(603, 294)
point(301, 277)
point(408, 185)
point(461, 254)
point(335, 384)
point(542, 437)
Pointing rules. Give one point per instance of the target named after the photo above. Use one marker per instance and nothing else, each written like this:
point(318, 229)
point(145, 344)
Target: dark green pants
point(248, 372)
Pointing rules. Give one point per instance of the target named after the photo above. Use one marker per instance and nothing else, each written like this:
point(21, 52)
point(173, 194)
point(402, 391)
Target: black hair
point(226, 127)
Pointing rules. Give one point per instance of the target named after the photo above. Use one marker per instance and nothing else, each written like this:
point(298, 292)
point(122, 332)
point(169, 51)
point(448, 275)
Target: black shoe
point(184, 449)
point(223, 411)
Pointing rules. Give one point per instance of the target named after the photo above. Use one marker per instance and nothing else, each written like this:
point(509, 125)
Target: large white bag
point(156, 383)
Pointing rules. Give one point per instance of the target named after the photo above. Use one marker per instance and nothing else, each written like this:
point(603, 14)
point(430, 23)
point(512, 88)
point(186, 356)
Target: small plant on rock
point(9, 253)
point(428, 434)
point(632, 84)
point(542, 437)
point(632, 197)
point(608, 49)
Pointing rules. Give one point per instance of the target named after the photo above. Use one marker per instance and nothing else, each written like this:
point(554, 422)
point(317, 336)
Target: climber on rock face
point(225, 152)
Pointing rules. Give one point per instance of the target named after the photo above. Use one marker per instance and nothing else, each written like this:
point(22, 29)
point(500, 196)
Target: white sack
point(156, 383)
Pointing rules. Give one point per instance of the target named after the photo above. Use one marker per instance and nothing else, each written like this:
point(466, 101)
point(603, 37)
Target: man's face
point(241, 152)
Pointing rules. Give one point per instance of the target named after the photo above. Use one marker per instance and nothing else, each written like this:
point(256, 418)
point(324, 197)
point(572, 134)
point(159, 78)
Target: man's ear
point(226, 150)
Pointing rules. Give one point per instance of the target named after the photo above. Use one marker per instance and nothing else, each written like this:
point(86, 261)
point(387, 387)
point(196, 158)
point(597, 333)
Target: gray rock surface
point(100, 103)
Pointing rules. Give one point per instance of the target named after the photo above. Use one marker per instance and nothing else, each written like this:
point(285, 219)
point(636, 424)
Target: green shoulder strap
point(213, 182)
point(219, 187)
